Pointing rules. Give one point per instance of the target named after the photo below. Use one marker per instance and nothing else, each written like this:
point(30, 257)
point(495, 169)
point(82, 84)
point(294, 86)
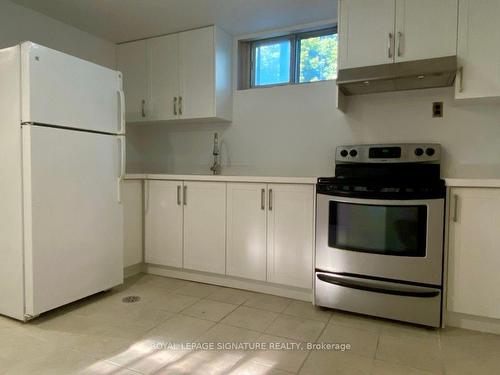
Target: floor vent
point(131, 299)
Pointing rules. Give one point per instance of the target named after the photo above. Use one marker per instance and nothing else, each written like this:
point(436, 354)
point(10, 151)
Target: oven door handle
point(378, 286)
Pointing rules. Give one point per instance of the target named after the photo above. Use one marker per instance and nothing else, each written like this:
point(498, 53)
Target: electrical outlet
point(437, 109)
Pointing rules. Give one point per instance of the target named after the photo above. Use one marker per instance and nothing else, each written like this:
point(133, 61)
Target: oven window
point(389, 230)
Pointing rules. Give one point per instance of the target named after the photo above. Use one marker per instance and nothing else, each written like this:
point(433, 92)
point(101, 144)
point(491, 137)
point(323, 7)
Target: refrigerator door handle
point(121, 95)
point(121, 174)
point(377, 286)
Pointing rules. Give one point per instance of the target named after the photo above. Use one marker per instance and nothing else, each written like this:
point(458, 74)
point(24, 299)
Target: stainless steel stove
point(379, 233)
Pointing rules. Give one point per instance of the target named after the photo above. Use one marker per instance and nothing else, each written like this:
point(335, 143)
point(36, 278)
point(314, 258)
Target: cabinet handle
point(389, 46)
point(263, 199)
point(178, 195)
point(175, 105)
point(455, 208)
point(143, 109)
point(184, 195)
point(180, 105)
point(400, 36)
point(270, 199)
point(461, 79)
point(146, 198)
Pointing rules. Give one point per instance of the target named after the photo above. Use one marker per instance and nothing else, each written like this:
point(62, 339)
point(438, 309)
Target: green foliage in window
point(318, 58)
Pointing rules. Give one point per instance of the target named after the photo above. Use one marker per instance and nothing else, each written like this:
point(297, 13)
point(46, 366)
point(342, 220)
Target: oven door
point(389, 239)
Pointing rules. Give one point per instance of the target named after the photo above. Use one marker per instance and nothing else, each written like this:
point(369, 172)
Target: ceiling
point(124, 20)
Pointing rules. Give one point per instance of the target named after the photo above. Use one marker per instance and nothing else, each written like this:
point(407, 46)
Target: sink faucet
point(216, 167)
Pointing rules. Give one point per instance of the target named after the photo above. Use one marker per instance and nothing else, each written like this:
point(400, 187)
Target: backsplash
point(293, 130)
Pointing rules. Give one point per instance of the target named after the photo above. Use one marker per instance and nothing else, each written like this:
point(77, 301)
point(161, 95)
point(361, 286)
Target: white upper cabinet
point(473, 255)
point(132, 63)
point(246, 230)
point(366, 32)
point(478, 49)
point(163, 67)
point(374, 32)
point(185, 76)
point(163, 221)
point(290, 227)
point(425, 29)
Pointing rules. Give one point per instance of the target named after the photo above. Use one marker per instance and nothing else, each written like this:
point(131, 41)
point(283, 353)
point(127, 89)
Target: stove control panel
point(389, 153)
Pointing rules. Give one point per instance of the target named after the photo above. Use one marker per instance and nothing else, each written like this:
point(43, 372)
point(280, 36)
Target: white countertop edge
point(223, 178)
point(473, 182)
point(450, 182)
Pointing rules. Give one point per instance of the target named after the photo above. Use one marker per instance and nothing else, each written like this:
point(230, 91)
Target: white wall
point(19, 24)
point(293, 130)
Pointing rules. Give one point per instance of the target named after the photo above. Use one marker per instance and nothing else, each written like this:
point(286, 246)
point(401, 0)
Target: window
point(295, 58)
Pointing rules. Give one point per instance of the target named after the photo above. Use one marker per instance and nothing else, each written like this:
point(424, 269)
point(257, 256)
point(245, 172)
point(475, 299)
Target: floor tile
point(336, 363)
point(419, 352)
point(358, 321)
point(222, 333)
point(173, 302)
point(386, 368)
point(203, 363)
point(228, 295)
point(210, 310)
point(279, 358)
point(250, 318)
point(307, 310)
point(268, 302)
point(162, 346)
point(164, 283)
point(198, 290)
point(296, 328)
point(468, 352)
point(256, 368)
point(362, 342)
point(179, 329)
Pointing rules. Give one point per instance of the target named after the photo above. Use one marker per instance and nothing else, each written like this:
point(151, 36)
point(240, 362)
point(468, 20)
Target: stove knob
point(430, 151)
point(353, 153)
point(419, 151)
point(344, 153)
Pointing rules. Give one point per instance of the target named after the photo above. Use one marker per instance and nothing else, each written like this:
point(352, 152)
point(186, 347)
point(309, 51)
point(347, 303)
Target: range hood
point(410, 75)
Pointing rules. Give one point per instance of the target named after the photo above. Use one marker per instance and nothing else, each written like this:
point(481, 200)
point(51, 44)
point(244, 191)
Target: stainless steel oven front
point(396, 240)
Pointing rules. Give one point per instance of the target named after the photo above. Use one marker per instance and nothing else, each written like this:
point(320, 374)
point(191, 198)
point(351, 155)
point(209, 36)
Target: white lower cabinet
point(474, 252)
point(205, 226)
point(290, 228)
point(132, 222)
point(163, 223)
point(255, 231)
point(246, 230)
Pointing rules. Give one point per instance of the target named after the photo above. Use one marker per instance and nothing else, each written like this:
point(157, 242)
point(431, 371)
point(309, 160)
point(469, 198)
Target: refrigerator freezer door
point(62, 90)
point(73, 218)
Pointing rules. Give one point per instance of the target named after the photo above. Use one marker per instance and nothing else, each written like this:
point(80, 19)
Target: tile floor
point(102, 335)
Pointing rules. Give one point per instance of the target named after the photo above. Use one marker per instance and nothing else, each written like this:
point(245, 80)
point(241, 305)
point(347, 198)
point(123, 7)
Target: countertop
point(223, 178)
point(464, 176)
point(474, 176)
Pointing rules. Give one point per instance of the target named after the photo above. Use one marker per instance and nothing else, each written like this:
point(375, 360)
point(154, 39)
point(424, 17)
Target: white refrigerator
point(62, 159)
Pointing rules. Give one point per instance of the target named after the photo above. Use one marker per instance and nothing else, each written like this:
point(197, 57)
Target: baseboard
point(472, 322)
point(133, 270)
point(231, 282)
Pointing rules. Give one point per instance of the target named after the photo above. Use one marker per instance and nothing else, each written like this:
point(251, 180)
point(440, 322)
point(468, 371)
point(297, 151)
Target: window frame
point(295, 49)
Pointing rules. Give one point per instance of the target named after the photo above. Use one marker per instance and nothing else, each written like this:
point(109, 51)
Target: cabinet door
point(132, 222)
point(164, 76)
point(474, 255)
point(425, 29)
point(246, 231)
point(290, 235)
point(197, 73)
point(366, 32)
point(163, 223)
point(132, 62)
point(478, 51)
point(205, 226)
